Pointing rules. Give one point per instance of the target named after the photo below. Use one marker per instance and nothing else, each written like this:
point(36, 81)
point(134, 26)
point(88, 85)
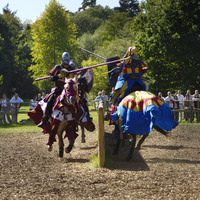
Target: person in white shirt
point(160, 96)
point(5, 108)
point(180, 99)
point(15, 105)
point(189, 97)
point(33, 103)
point(169, 99)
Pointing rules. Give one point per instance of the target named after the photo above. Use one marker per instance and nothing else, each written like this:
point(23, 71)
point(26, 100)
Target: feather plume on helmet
point(133, 53)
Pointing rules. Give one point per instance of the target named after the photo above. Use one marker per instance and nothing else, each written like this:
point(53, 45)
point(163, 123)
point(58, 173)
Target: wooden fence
point(192, 112)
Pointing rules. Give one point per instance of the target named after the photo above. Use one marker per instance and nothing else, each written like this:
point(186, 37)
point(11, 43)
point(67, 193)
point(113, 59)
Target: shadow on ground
point(118, 161)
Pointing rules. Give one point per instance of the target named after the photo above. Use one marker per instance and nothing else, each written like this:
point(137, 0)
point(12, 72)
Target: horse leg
point(60, 138)
point(160, 130)
point(82, 134)
point(141, 141)
point(132, 147)
point(116, 150)
point(70, 146)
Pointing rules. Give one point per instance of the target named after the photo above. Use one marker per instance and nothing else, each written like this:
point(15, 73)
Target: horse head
point(69, 94)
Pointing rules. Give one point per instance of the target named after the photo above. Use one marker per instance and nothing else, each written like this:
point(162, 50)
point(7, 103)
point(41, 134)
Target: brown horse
point(74, 112)
point(65, 117)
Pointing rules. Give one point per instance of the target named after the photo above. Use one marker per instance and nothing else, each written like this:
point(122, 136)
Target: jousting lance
point(81, 69)
point(92, 53)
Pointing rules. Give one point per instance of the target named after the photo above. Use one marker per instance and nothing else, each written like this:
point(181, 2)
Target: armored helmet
point(65, 58)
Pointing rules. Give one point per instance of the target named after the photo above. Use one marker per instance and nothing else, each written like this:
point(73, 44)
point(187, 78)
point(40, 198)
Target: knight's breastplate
point(135, 66)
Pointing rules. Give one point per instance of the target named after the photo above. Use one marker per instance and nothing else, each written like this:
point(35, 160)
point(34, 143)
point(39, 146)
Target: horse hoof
point(50, 147)
point(61, 152)
point(69, 148)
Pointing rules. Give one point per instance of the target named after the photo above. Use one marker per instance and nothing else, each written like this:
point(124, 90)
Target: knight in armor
point(57, 74)
point(130, 76)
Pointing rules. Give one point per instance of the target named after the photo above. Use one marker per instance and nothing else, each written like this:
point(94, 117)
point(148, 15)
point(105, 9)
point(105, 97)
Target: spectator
point(97, 99)
point(43, 95)
point(33, 103)
point(196, 100)
point(160, 96)
point(105, 100)
point(15, 105)
point(191, 104)
point(39, 97)
point(189, 93)
point(180, 99)
point(169, 99)
point(176, 107)
point(197, 94)
point(187, 103)
point(5, 107)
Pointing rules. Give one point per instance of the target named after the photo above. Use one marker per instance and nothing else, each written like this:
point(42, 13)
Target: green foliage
point(14, 55)
point(168, 38)
point(100, 77)
point(130, 6)
point(52, 33)
point(89, 20)
point(165, 32)
point(114, 26)
point(87, 3)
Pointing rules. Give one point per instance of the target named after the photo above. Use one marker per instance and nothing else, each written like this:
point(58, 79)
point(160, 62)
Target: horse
point(137, 114)
point(64, 117)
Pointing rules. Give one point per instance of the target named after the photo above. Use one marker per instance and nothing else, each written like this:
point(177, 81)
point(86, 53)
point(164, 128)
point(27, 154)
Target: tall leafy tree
point(52, 33)
point(130, 6)
point(87, 4)
point(89, 20)
point(168, 36)
point(114, 26)
point(14, 74)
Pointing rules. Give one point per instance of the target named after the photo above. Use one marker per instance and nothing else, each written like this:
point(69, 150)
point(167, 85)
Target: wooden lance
point(81, 69)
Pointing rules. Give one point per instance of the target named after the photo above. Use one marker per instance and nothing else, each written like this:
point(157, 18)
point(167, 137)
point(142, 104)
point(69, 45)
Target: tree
point(14, 55)
point(168, 36)
point(130, 6)
point(89, 20)
point(53, 33)
point(114, 26)
point(87, 4)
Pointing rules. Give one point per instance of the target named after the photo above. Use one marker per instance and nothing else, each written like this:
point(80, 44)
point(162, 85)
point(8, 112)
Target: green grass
point(94, 160)
point(18, 128)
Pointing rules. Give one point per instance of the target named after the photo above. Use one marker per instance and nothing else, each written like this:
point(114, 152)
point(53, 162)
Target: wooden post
point(101, 152)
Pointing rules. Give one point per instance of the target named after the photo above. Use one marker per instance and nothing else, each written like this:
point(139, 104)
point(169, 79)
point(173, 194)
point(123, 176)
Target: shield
point(111, 72)
point(88, 76)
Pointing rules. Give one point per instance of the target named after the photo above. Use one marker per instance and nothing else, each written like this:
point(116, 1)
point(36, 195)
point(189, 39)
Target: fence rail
point(191, 110)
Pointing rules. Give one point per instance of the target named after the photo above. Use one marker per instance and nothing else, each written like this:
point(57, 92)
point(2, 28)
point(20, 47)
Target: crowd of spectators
point(102, 97)
point(187, 106)
point(190, 104)
point(10, 107)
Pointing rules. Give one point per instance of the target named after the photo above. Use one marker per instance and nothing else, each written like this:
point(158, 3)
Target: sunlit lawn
point(20, 127)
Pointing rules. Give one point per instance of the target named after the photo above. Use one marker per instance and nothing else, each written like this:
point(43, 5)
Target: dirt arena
point(165, 168)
